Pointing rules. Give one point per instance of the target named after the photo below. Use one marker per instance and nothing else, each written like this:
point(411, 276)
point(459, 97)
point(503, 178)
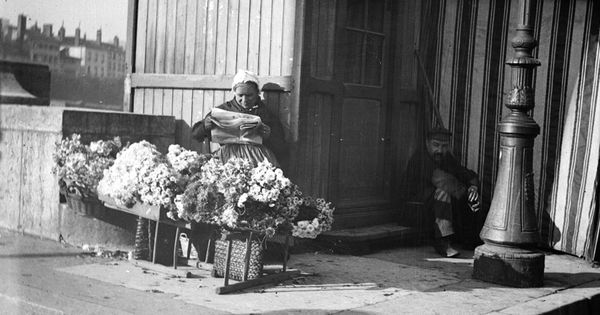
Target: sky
point(110, 15)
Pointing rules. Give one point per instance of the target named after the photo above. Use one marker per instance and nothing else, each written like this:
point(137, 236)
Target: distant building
point(73, 55)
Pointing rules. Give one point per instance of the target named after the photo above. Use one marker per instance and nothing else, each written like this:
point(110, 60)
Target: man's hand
point(473, 198)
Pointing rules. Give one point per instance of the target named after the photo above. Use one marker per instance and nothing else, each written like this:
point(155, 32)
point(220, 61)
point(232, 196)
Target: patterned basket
point(238, 255)
point(87, 207)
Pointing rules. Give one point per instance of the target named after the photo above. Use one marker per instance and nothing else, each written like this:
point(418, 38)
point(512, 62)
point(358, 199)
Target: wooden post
point(247, 256)
point(228, 261)
point(175, 248)
point(285, 252)
point(155, 241)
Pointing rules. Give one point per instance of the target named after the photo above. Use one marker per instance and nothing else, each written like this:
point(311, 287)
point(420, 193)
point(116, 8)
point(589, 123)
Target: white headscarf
point(243, 76)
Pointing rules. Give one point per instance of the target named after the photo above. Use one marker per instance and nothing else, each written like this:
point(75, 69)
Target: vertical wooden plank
point(157, 105)
point(276, 38)
point(180, 123)
point(211, 37)
point(447, 60)
point(140, 44)
point(289, 24)
point(243, 28)
point(190, 37)
point(138, 101)
point(477, 82)
point(265, 37)
point(151, 36)
point(222, 41)
point(254, 36)
point(297, 66)
point(232, 33)
point(180, 35)
point(201, 33)
point(407, 34)
point(132, 18)
point(171, 34)
point(186, 113)
point(541, 86)
point(148, 101)
point(161, 37)
point(285, 114)
point(167, 108)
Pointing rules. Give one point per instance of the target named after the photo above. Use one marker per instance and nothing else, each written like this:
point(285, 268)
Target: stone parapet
point(29, 193)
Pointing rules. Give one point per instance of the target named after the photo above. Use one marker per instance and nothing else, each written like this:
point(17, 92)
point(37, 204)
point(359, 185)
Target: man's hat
point(439, 133)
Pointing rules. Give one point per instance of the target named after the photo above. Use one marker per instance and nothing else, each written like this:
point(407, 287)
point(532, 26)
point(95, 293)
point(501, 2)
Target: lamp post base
point(509, 266)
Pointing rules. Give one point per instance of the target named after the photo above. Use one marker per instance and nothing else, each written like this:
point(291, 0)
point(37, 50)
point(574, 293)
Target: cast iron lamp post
point(510, 232)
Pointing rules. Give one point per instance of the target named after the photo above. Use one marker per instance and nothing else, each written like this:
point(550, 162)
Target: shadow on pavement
point(42, 255)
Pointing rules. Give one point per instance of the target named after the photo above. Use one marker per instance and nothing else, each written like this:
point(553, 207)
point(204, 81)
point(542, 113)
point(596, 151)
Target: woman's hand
point(208, 123)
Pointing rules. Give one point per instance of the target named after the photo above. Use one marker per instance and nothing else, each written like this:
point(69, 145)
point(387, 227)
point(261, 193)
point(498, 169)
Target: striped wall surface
point(187, 51)
point(470, 41)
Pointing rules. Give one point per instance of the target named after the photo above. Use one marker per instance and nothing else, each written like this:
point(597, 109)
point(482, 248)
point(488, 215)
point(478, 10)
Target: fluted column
point(510, 232)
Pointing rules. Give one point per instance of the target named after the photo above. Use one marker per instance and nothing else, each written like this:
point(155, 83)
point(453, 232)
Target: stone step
point(364, 240)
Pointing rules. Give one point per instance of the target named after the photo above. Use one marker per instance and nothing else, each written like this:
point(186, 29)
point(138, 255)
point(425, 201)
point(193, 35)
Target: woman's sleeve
point(199, 130)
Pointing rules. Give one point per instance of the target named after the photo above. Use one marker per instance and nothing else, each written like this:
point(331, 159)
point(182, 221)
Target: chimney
point(21, 27)
point(77, 36)
point(61, 33)
point(47, 30)
point(99, 36)
point(116, 41)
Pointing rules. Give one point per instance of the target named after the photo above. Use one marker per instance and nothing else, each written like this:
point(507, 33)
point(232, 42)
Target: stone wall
point(29, 196)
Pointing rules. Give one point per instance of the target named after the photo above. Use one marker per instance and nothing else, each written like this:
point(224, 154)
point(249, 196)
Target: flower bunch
point(184, 161)
point(141, 173)
point(316, 216)
point(271, 202)
point(201, 201)
point(80, 167)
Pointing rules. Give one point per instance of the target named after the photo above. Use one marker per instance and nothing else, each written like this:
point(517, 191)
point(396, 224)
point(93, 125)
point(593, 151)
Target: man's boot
point(444, 247)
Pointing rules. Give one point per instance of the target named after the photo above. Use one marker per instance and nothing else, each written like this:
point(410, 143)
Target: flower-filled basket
point(79, 168)
point(245, 246)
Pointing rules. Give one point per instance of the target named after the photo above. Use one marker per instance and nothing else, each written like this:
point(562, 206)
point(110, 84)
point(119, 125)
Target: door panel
point(361, 178)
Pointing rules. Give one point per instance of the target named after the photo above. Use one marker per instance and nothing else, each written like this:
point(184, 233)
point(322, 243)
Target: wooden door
point(344, 88)
point(359, 160)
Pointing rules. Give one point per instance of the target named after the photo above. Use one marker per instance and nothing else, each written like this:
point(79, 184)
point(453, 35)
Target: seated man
point(443, 185)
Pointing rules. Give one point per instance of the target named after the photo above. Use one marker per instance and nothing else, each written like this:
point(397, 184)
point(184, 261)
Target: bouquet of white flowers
point(80, 167)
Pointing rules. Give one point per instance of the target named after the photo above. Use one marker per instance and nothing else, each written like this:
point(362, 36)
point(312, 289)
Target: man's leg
point(442, 209)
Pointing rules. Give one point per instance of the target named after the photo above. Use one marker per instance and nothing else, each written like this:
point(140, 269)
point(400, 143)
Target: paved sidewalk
point(45, 277)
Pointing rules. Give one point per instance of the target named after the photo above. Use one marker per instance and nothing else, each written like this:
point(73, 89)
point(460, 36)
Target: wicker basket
point(238, 255)
point(88, 207)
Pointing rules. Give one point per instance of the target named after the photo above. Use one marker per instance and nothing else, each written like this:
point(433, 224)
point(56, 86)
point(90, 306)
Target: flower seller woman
point(243, 126)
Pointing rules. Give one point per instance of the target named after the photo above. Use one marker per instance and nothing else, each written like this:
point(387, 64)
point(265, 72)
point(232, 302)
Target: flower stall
point(246, 204)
